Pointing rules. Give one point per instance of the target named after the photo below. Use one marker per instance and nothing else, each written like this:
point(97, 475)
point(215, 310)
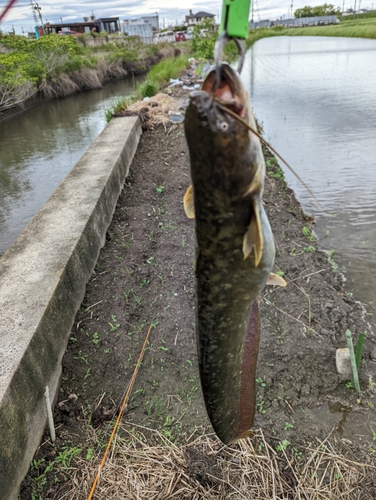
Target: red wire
point(9, 6)
point(130, 385)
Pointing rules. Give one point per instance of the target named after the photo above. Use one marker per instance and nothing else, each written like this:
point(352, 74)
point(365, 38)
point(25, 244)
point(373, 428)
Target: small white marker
point(49, 414)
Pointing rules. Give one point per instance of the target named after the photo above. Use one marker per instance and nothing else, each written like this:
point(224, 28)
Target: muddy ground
point(144, 276)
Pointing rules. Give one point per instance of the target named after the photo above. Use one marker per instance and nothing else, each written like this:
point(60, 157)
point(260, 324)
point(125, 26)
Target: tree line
point(327, 9)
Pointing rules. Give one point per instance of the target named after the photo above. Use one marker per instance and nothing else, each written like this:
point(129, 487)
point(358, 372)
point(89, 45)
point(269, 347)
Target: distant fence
point(296, 23)
point(127, 41)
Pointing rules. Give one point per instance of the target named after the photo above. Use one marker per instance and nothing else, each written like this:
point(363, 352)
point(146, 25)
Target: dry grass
point(67, 84)
point(158, 108)
point(87, 79)
point(145, 465)
point(62, 86)
point(166, 51)
point(107, 71)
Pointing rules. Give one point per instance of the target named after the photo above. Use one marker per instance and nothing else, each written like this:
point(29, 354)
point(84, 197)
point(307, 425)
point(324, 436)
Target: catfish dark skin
point(235, 248)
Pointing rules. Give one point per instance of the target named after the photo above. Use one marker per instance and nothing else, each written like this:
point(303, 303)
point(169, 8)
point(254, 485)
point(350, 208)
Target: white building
point(142, 30)
point(153, 21)
point(194, 19)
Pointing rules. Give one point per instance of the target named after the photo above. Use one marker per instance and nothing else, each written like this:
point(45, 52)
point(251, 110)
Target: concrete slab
point(42, 284)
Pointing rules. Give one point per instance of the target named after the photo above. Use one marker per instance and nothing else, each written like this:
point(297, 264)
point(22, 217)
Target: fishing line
point(123, 405)
point(237, 117)
point(7, 7)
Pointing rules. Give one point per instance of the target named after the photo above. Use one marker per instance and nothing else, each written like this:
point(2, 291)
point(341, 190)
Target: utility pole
point(39, 10)
point(292, 15)
point(34, 13)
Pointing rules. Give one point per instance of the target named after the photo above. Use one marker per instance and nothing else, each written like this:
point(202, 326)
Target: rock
point(343, 364)
point(306, 389)
point(373, 354)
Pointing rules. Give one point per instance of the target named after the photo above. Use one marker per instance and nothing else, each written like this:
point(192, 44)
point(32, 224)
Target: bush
point(148, 89)
point(167, 68)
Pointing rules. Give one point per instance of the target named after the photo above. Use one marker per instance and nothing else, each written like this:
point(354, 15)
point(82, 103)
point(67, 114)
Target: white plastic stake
point(49, 414)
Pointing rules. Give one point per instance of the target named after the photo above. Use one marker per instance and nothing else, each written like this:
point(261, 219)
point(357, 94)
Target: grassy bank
point(56, 66)
point(156, 78)
point(161, 74)
point(352, 28)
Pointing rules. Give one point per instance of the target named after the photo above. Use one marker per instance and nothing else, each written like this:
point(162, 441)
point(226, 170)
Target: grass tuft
point(116, 105)
point(148, 89)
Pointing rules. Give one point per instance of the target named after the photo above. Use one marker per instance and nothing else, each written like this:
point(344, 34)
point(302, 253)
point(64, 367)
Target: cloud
point(168, 10)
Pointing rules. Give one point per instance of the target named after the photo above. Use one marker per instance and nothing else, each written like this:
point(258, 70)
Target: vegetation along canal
point(315, 98)
point(39, 147)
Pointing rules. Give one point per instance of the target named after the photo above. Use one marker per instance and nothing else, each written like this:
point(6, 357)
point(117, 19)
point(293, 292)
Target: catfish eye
point(223, 126)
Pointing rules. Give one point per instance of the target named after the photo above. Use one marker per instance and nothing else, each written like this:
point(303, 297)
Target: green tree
point(327, 9)
point(303, 12)
point(203, 42)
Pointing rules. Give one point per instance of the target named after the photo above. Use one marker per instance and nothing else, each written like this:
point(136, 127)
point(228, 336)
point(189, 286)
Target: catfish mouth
point(226, 92)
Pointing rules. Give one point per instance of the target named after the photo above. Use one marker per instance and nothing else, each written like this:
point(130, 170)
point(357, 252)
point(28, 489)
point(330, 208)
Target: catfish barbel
point(235, 248)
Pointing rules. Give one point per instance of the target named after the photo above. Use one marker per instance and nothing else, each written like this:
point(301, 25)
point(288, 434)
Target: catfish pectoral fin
point(253, 238)
point(188, 202)
point(276, 280)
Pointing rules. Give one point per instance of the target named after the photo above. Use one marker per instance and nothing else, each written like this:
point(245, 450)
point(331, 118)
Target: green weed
point(148, 89)
point(283, 445)
point(309, 249)
point(114, 325)
point(116, 105)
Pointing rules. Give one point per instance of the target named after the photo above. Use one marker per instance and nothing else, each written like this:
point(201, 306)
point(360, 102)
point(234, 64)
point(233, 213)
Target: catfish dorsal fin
point(188, 202)
point(253, 237)
point(276, 280)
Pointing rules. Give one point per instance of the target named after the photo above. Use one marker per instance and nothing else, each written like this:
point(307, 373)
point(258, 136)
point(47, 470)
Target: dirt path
point(145, 276)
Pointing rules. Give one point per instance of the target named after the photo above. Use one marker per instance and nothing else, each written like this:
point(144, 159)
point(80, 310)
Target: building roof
point(65, 25)
point(107, 19)
point(200, 14)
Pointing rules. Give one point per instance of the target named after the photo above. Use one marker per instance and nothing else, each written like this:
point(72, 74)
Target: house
point(80, 27)
point(194, 19)
point(109, 24)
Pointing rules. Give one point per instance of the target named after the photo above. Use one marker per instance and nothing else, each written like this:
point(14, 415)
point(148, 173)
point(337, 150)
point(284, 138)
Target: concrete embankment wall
point(42, 284)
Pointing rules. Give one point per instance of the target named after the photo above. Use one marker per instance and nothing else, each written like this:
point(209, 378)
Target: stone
point(343, 364)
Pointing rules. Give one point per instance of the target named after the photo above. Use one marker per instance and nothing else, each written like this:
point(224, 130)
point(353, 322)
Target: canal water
point(316, 100)
point(39, 147)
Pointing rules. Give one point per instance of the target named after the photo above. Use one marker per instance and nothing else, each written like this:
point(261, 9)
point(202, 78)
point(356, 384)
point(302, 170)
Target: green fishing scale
point(234, 20)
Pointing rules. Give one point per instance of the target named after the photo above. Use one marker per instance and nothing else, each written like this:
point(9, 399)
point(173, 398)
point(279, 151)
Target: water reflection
point(38, 148)
point(316, 100)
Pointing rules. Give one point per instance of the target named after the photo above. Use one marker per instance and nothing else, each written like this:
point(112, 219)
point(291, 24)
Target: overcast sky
point(170, 11)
